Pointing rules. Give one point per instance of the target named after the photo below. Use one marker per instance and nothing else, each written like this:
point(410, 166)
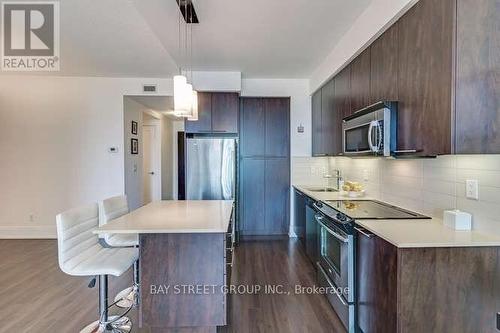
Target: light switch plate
point(472, 189)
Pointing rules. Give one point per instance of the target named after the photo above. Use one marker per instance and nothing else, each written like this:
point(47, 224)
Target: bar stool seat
point(122, 240)
point(102, 261)
point(110, 209)
point(81, 254)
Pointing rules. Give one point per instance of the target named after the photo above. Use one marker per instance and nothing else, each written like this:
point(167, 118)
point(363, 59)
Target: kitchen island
point(184, 251)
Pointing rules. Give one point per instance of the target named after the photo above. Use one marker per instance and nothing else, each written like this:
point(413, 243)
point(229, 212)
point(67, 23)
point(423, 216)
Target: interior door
point(151, 164)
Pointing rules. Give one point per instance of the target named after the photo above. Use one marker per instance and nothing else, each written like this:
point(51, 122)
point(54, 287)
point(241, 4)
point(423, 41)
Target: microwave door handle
point(379, 131)
point(373, 124)
point(370, 143)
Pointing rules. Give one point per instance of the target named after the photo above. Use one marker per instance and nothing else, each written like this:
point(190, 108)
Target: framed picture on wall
point(134, 127)
point(134, 146)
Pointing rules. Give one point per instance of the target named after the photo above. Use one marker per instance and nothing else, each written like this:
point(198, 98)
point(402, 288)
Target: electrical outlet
point(472, 189)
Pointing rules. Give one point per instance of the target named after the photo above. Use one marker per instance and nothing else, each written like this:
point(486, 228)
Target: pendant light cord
point(179, 39)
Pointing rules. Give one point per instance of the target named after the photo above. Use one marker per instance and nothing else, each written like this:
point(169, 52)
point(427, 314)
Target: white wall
point(300, 106)
point(167, 159)
point(133, 111)
point(54, 143)
point(374, 20)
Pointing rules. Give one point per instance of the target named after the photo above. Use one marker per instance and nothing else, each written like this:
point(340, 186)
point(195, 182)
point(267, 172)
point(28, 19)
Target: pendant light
point(194, 93)
point(182, 93)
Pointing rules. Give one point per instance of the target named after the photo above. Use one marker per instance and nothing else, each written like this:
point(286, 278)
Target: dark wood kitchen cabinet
point(425, 65)
point(324, 121)
point(277, 129)
point(225, 112)
point(384, 67)
point(204, 122)
point(446, 290)
point(252, 196)
point(440, 62)
point(299, 215)
point(264, 166)
point(360, 81)
point(329, 119)
point(252, 127)
point(317, 135)
point(217, 113)
point(312, 235)
point(342, 102)
point(478, 77)
point(277, 196)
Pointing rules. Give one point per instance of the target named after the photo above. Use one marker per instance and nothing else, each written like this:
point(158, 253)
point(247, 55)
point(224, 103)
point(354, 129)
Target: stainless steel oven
point(336, 262)
point(370, 131)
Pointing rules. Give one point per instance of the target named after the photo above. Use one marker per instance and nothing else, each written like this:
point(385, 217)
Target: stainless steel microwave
point(371, 131)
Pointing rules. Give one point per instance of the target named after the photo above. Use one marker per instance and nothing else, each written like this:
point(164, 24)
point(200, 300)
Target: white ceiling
point(260, 38)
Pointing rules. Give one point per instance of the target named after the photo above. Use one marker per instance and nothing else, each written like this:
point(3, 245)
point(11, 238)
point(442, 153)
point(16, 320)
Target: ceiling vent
point(187, 10)
point(149, 88)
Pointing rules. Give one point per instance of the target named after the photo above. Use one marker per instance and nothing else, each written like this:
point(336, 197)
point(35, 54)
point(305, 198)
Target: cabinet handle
point(362, 231)
point(219, 131)
point(406, 151)
point(321, 155)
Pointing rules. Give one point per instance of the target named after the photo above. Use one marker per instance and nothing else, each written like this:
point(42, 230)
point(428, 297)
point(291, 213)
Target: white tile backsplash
point(431, 186)
point(309, 170)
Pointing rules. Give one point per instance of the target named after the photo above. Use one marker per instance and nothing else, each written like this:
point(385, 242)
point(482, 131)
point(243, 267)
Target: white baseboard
point(28, 232)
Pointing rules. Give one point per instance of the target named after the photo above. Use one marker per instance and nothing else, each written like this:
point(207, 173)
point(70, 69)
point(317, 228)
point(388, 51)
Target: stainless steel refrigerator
point(210, 169)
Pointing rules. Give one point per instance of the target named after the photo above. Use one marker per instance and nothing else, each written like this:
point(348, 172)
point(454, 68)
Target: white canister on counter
point(458, 220)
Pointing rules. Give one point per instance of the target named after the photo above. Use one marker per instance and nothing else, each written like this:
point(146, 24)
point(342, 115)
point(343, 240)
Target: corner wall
point(54, 143)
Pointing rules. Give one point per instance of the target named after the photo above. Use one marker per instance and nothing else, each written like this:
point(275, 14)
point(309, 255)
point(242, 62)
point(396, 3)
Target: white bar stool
point(80, 254)
point(110, 209)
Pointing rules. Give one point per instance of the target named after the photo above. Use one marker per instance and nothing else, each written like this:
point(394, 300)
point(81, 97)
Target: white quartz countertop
point(169, 216)
point(409, 233)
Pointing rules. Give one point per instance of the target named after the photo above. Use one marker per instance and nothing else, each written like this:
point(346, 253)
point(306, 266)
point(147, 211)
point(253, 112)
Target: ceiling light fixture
point(185, 98)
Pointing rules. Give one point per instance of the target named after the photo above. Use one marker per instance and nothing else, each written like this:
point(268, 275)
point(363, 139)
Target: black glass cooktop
point(372, 209)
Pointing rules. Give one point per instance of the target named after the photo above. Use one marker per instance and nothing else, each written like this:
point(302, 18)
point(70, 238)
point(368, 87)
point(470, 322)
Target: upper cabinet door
point(225, 112)
point(317, 141)
point(478, 77)
point(384, 67)
point(329, 119)
point(277, 126)
point(425, 40)
point(252, 127)
point(342, 102)
point(204, 122)
point(360, 81)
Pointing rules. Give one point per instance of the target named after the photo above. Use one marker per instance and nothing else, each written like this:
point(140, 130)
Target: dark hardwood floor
point(35, 296)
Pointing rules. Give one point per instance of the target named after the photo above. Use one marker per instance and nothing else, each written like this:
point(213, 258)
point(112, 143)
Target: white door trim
point(157, 195)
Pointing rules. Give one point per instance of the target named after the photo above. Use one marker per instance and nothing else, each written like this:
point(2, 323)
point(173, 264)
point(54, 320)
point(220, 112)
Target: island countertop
point(172, 216)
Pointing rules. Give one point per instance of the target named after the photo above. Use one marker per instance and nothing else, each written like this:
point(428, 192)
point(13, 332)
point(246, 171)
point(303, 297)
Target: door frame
point(157, 150)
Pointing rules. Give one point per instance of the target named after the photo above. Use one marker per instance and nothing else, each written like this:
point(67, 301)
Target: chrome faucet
point(328, 177)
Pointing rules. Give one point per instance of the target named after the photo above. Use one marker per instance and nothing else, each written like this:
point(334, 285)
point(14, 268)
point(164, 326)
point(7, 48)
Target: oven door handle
point(342, 300)
point(330, 231)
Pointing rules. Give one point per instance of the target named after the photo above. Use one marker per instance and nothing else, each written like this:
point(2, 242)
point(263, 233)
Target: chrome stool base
point(116, 325)
point(126, 298)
